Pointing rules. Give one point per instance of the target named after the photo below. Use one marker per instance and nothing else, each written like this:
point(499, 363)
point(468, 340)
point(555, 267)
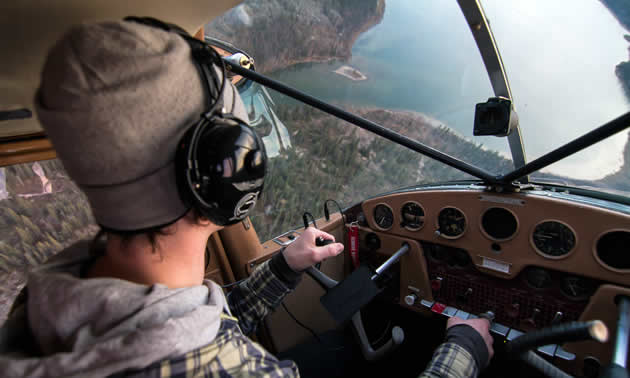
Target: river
point(560, 59)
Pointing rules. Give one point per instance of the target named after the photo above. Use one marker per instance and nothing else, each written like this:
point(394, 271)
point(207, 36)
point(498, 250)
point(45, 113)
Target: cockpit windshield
point(414, 67)
point(564, 61)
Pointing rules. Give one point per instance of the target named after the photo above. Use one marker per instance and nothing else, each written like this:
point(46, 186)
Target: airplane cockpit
point(472, 156)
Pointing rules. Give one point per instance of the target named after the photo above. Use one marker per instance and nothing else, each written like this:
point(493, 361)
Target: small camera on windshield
point(495, 117)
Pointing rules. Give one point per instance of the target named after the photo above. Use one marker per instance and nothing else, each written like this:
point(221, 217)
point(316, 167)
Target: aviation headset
point(220, 162)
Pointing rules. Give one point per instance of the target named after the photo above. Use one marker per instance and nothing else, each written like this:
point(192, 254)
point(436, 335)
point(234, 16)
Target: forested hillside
point(334, 159)
point(621, 10)
point(279, 33)
point(35, 224)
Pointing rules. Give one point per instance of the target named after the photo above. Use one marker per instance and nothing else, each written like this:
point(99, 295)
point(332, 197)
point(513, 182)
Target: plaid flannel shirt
point(451, 360)
point(232, 354)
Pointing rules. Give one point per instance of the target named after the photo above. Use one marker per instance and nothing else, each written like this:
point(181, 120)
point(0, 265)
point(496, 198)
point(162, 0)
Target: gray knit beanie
point(115, 100)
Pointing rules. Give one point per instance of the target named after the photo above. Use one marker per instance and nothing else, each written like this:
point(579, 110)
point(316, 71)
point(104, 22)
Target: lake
point(560, 58)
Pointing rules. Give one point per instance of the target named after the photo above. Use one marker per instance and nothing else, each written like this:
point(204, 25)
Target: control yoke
point(617, 368)
point(344, 300)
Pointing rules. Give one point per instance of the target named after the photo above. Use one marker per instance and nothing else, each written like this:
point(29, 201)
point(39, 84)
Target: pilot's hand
point(482, 326)
point(303, 252)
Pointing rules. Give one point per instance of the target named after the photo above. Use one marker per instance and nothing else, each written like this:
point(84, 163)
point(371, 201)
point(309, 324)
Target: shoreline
point(344, 56)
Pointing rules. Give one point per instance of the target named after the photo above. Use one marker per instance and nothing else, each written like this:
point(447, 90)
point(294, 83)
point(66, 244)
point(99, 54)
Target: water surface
point(560, 58)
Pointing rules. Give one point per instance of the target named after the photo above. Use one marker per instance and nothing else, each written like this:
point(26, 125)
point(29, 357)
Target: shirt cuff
point(282, 270)
point(468, 338)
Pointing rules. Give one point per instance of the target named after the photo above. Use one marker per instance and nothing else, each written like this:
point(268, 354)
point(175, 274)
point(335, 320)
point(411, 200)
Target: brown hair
point(152, 233)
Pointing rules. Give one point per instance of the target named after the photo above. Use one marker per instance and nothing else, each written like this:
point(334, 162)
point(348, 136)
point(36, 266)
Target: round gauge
point(451, 223)
point(538, 278)
point(611, 250)
point(383, 216)
point(412, 216)
point(577, 288)
point(499, 223)
point(553, 239)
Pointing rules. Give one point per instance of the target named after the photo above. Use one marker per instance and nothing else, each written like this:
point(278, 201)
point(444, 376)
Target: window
point(43, 212)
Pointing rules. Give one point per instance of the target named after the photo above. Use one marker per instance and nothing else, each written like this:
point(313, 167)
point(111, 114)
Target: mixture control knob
point(411, 299)
point(533, 320)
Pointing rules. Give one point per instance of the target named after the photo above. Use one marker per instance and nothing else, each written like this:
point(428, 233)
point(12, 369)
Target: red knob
point(436, 284)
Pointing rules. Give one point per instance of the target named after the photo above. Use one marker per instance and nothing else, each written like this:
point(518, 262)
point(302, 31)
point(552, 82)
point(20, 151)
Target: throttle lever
point(323, 280)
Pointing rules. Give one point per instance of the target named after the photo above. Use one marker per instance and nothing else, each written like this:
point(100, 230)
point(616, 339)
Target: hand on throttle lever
point(481, 325)
point(304, 252)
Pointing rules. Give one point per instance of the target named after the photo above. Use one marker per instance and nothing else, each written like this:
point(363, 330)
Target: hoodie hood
point(99, 326)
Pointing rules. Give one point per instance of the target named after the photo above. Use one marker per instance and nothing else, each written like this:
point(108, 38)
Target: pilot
point(160, 148)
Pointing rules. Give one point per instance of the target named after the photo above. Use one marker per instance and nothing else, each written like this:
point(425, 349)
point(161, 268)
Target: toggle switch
point(464, 297)
point(532, 321)
point(436, 284)
point(557, 318)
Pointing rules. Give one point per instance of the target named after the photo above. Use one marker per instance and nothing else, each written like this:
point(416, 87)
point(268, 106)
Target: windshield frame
point(487, 46)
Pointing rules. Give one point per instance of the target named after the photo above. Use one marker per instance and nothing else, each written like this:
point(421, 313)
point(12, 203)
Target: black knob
point(320, 242)
point(372, 241)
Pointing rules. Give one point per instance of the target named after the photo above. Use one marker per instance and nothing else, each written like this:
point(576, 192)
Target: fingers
point(332, 250)
point(303, 252)
point(453, 321)
point(322, 253)
point(314, 233)
point(489, 341)
point(326, 251)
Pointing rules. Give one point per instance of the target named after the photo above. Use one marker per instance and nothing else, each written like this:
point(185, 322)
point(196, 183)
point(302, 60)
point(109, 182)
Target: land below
point(281, 33)
point(330, 158)
point(620, 180)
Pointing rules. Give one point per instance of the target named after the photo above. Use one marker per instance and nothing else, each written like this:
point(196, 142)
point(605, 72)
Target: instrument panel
point(534, 259)
point(505, 233)
point(535, 298)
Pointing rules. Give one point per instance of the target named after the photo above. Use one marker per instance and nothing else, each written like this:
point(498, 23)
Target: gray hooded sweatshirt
point(74, 327)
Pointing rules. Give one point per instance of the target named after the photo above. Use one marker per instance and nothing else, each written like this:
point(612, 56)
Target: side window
point(42, 213)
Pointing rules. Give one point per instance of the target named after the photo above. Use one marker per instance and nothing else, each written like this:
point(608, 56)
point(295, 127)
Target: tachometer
point(412, 216)
point(553, 239)
point(451, 223)
point(383, 216)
